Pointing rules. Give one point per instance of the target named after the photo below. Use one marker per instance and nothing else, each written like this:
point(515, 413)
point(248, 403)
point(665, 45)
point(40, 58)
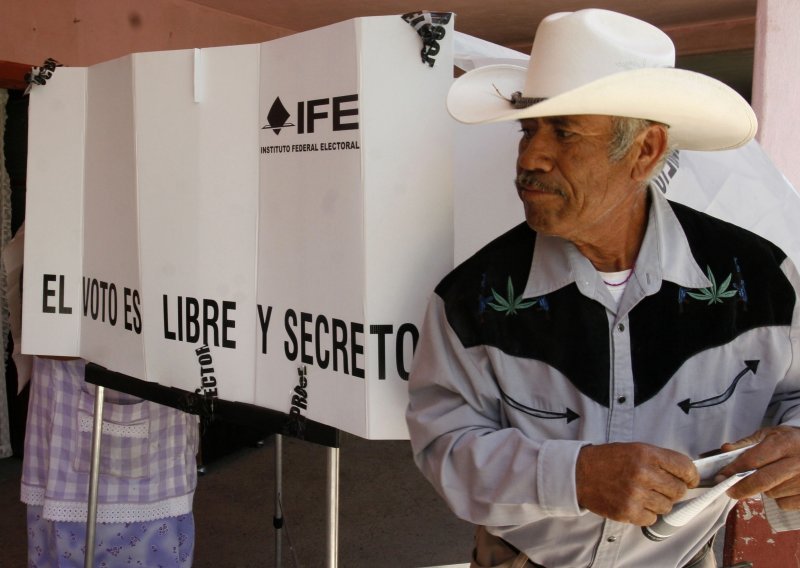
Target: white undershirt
point(616, 282)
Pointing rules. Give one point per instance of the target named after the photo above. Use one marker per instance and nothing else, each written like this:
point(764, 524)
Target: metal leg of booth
point(277, 522)
point(94, 477)
point(236, 413)
point(333, 507)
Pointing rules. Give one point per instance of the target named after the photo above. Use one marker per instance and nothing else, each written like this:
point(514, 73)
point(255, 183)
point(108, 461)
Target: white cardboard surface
point(54, 234)
point(110, 229)
point(304, 241)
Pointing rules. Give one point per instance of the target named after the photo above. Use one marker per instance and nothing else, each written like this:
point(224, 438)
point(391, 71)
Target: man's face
point(567, 183)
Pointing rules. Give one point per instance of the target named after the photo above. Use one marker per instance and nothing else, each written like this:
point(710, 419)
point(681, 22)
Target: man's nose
point(535, 153)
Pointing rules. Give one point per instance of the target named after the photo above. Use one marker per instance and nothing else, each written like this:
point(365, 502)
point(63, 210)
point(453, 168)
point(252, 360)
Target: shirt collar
point(665, 255)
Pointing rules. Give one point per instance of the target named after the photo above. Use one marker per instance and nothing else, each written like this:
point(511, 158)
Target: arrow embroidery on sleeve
point(569, 415)
point(687, 405)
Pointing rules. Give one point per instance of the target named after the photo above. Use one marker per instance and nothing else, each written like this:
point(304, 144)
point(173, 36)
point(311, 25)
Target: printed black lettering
point(94, 307)
point(167, 333)
point(47, 292)
point(263, 319)
point(402, 331)
point(180, 318)
point(305, 338)
point(208, 382)
point(112, 304)
point(192, 322)
point(290, 349)
point(210, 315)
point(356, 349)
point(137, 320)
point(228, 323)
point(62, 308)
point(381, 331)
point(126, 297)
point(339, 345)
point(299, 402)
point(339, 112)
point(103, 288)
point(86, 283)
point(323, 355)
point(296, 424)
point(313, 115)
point(301, 113)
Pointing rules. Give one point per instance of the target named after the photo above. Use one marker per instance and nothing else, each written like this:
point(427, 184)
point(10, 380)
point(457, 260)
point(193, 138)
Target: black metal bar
point(214, 408)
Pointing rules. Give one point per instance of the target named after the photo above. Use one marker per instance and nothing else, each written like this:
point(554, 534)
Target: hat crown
point(572, 49)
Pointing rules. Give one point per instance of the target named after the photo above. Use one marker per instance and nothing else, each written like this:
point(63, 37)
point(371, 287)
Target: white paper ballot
point(709, 466)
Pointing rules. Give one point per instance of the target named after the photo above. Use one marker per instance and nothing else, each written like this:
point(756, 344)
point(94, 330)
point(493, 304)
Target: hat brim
point(702, 113)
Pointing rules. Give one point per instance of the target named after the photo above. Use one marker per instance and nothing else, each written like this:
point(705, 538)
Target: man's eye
point(564, 133)
point(526, 133)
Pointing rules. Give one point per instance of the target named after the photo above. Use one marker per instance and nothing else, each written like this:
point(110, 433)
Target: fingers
point(776, 457)
point(632, 482)
point(789, 503)
point(766, 479)
point(788, 488)
point(640, 508)
point(743, 443)
point(773, 444)
point(681, 468)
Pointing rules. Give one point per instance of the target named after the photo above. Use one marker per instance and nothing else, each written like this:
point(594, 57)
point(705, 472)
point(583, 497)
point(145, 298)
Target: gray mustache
point(531, 179)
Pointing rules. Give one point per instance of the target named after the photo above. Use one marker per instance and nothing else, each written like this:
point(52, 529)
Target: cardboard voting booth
point(258, 223)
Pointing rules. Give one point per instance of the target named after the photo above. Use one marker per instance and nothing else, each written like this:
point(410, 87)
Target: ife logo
point(339, 111)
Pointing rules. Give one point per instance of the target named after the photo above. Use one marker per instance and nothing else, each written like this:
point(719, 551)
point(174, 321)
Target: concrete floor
point(388, 514)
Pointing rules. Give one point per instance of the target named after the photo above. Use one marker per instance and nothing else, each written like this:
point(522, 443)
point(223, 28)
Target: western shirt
point(524, 358)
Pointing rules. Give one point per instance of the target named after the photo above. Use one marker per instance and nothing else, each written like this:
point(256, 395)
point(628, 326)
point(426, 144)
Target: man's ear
point(651, 146)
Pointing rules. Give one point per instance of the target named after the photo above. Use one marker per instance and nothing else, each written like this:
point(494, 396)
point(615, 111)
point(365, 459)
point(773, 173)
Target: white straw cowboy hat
point(601, 62)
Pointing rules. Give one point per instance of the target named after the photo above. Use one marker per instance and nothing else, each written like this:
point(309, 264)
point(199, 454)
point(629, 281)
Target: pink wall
point(85, 32)
point(776, 83)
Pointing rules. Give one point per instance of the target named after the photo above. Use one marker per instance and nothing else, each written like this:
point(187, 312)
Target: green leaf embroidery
point(714, 294)
point(512, 303)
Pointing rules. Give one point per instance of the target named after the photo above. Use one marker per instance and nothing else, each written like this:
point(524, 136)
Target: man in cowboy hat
point(570, 372)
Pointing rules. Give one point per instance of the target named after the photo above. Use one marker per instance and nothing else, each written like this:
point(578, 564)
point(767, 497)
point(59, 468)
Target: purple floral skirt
point(152, 544)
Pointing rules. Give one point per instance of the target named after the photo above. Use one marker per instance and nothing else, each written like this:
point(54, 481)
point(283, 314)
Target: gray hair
point(624, 132)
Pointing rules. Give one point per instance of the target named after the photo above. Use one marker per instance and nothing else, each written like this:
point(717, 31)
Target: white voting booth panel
point(356, 222)
point(54, 210)
point(262, 223)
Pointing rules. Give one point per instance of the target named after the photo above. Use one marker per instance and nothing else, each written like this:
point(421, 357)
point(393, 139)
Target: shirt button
point(612, 539)
point(621, 327)
point(621, 399)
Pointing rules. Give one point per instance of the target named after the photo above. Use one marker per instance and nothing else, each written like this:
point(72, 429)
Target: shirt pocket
point(124, 443)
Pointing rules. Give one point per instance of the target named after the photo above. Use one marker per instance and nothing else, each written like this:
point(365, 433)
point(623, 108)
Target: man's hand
point(777, 459)
point(632, 482)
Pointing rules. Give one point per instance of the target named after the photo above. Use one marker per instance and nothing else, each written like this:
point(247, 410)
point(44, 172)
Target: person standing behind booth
point(148, 474)
point(147, 477)
point(570, 371)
